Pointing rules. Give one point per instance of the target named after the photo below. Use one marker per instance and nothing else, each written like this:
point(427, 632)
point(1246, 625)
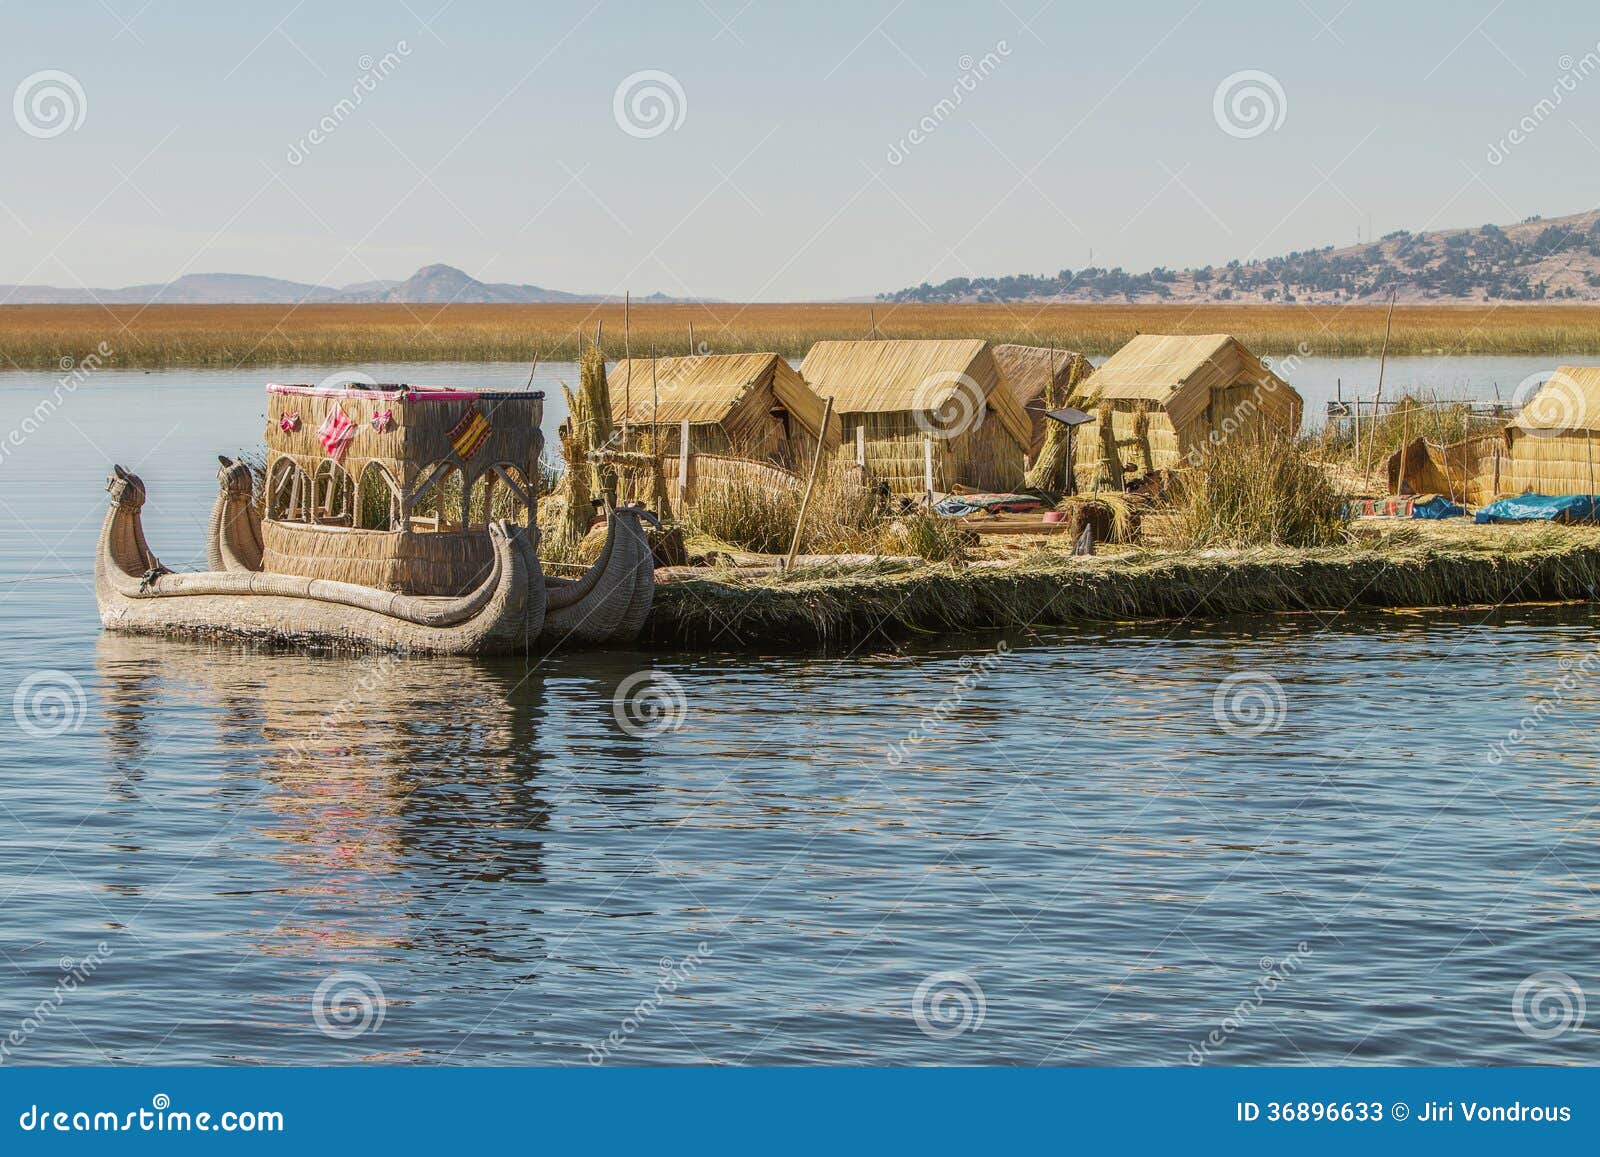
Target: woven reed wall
point(417, 436)
point(1470, 471)
point(988, 457)
point(716, 469)
point(894, 451)
point(409, 562)
point(1561, 463)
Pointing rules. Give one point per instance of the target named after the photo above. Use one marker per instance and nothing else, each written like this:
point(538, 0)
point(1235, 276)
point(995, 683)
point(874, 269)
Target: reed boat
point(389, 516)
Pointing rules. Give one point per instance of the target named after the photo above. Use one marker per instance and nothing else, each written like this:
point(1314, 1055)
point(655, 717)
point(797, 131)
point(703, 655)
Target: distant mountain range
point(1533, 260)
point(430, 285)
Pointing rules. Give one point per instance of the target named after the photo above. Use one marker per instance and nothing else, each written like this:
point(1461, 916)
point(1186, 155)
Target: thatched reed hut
point(1030, 372)
point(905, 403)
point(1550, 446)
point(407, 477)
point(1469, 470)
point(753, 406)
point(1170, 397)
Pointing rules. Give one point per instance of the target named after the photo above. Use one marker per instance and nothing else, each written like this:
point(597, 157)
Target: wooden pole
point(1405, 446)
point(1383, 358)
point(1069, 483)
point(927, 467)
point(1372, 436)
point(811, 482)
point(861, 446)
point(683, 463)
point(874, 319)
point(692, 350)
point(1588, 445)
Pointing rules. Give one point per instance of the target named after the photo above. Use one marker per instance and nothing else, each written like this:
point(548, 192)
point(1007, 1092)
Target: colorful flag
point(469, 434)
point(336, 432)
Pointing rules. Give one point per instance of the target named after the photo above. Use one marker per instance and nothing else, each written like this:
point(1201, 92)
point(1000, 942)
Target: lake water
point(1287, 840)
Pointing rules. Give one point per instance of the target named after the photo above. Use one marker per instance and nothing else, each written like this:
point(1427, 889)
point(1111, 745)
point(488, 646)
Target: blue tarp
point(1542, 508)
point(1438, 507)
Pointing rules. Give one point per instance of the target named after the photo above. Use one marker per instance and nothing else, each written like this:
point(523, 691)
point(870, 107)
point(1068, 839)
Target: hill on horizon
point(430, 285)
point(1534, 260)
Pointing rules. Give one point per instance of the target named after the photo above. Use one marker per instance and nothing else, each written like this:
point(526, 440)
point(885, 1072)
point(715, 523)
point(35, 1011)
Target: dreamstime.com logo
point(947, 1004)
point(649, 103)
point(1249, 103)
point(49, 703)
point(971, 73)
point(49, 103)
point(372, 72)
point(948, 405)
point(1274, 972)
point(1549, 404)
point(1547, 1005)
point(673, 974)
point(348, 1004)
point(1249, 704)
point(649, 703)
point(73, 374)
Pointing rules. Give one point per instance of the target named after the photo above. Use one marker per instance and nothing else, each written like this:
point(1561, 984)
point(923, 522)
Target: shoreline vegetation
point(37, 337)
point(1408, 566)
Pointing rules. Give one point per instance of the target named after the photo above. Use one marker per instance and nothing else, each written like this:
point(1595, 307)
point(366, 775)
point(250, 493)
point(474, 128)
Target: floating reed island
point(972, 487)
point(884, 486)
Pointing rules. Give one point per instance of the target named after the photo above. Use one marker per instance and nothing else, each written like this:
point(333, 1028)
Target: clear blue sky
point(493, 142)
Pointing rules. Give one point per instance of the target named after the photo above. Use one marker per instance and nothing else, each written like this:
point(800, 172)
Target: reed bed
point(1455, 569)
point(747, 514)
point(41, 336)
point(1258, 489)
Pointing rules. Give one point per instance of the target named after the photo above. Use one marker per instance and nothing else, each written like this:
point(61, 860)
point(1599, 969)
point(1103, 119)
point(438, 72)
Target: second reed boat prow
point(388, 516)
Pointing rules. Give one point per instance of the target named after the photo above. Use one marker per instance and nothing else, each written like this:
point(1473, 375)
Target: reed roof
point(1569, 400)
point(708, 388)
point(1029, 370)
point(1178, 372)
point(882, 377)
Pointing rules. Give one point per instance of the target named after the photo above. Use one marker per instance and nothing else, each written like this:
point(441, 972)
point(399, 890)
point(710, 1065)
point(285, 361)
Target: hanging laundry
point(336, 432)
point(382, 420)
point(468, 435)
point(289, 423)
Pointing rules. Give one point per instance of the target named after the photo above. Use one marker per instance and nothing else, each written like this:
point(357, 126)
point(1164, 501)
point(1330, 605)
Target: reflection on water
point(1074, 833)
point(378, 783)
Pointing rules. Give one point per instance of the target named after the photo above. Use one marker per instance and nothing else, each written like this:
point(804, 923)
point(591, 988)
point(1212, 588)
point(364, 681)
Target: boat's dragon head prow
point(234, 477)
point(126, 490)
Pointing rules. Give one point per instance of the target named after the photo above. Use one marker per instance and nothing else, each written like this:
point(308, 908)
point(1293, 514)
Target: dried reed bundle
point(597, 426)
point(1049, 467)
point(573, 491)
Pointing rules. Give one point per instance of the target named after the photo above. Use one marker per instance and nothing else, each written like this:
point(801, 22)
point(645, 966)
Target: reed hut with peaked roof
point(907, 397)
point(1550, 446)
point(1029, 371)
point(753, 406)
point(1171, 396)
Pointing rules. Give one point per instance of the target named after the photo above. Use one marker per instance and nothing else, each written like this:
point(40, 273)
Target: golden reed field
point(45, 336)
